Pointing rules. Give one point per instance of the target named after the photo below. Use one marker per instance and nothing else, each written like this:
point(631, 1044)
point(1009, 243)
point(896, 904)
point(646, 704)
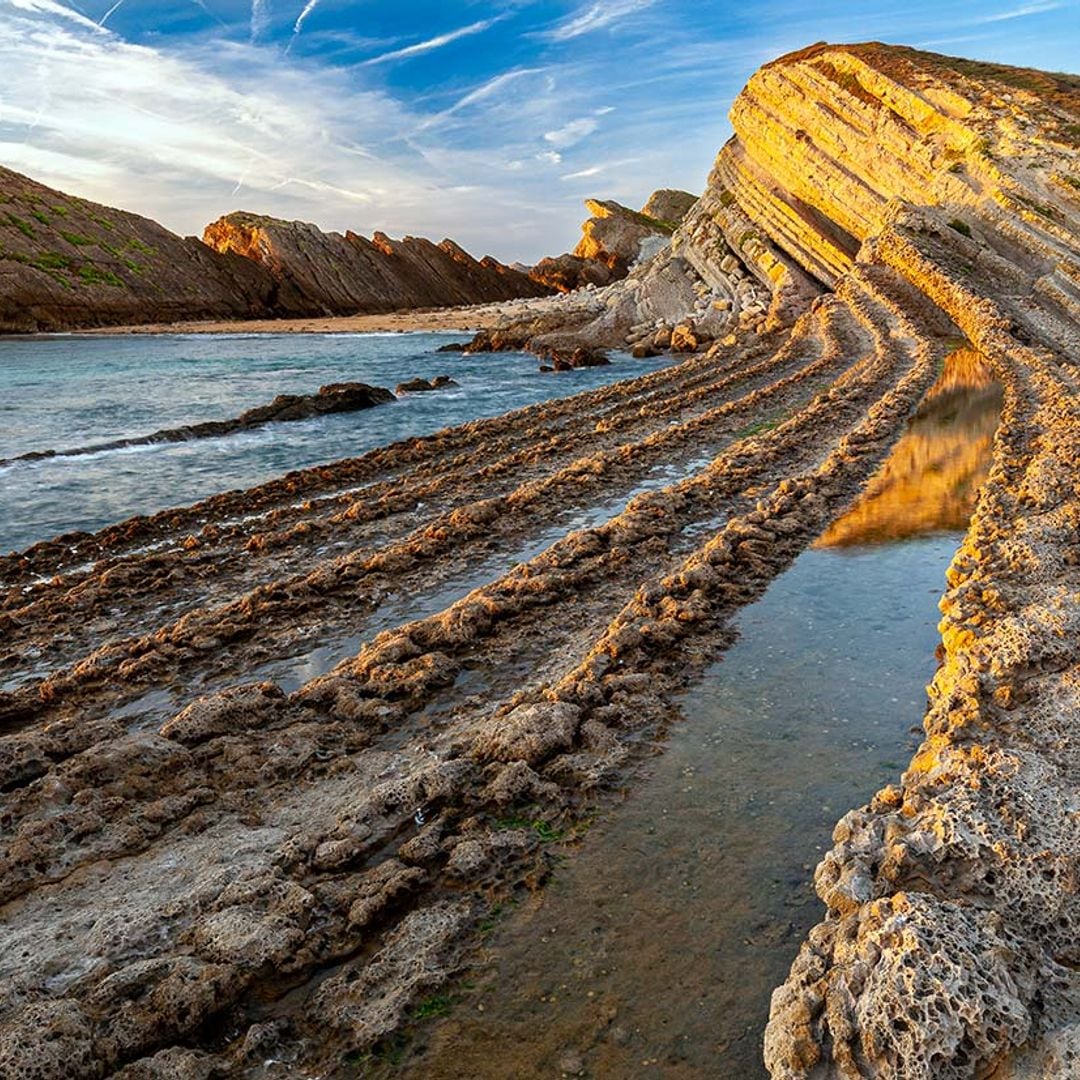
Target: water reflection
point(654, 951)
point(931, 480)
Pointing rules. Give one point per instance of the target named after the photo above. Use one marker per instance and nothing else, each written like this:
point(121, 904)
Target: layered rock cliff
point(347, 274)
point(67, 263)
point(950, 943)
point(613, 238)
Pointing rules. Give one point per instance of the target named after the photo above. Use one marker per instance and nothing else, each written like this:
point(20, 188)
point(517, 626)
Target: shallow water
point(654, 951)
point(68, 391)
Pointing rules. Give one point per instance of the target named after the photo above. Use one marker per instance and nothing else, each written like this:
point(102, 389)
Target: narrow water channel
point(655, 948)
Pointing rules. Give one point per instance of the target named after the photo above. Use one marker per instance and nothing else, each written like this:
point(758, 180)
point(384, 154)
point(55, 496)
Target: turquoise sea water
point(67, 391)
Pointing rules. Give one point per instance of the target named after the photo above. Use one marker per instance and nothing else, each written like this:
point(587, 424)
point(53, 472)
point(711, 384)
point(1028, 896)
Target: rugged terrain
point(67, 263)
point(269, 760)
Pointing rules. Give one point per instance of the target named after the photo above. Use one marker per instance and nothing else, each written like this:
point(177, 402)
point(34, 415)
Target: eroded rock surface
point(267, 760)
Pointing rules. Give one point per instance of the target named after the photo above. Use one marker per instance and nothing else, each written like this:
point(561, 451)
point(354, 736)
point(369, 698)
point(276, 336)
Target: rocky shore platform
point(265, 760)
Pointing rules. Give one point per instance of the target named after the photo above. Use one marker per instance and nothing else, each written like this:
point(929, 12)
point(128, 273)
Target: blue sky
point(488, 122)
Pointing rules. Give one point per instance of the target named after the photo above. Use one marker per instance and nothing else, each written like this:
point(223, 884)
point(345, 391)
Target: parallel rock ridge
point(200, 877)
point(66, 263)
point(338, 273)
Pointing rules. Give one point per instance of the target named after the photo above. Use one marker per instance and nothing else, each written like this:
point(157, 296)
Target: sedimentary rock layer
point(67, 263)
point(335, 398)
point(338, 274)
point(266, 759)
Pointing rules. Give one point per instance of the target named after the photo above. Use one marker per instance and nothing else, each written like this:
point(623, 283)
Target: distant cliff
point(67, 263)
point(613, 238)
point(346, 274)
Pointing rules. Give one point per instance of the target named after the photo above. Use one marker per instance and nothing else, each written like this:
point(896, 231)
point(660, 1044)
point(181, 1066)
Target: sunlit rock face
point(612, 239)
point(345, 274)
point(932, 478)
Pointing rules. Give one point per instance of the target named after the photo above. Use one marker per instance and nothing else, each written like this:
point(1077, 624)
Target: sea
point(60, 392)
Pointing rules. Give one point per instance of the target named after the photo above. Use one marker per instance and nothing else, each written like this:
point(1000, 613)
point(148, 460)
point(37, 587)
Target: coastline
point(470, 318)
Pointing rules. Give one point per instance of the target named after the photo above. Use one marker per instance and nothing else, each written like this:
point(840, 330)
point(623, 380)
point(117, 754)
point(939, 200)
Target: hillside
point(67, 263)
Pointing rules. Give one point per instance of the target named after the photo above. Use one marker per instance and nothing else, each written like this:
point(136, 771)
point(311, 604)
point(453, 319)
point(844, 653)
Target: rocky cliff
point(67, 263)
point(613, 238)
point(348, 274)
point(947, 191)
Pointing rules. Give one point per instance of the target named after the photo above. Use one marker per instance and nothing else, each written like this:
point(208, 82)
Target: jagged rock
point(669, 206)
point(684, 338)
point(348, 274)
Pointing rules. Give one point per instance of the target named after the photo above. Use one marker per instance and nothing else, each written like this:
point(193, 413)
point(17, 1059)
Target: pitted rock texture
point(266, 760)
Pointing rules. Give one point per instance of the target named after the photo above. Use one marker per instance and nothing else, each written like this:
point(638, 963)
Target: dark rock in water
point(546, 367)
point(497, 341)
point(419, 386)
point(454, 346)
point(643, 350)
point(332, 398)
point(565, 360)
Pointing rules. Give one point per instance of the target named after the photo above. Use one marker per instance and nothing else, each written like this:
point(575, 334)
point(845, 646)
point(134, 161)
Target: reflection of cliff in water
point(932, 478)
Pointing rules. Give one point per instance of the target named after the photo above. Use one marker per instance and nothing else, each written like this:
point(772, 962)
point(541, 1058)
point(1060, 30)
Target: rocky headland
point(215, 866)
point(68, 263)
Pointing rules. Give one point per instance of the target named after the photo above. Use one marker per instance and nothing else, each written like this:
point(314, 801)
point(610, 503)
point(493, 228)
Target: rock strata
point(267, 760)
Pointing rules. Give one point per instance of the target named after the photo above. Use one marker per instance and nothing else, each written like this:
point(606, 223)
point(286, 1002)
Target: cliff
point(922, 197)
point(347, 274)
point(67, 263)
point(613, 238)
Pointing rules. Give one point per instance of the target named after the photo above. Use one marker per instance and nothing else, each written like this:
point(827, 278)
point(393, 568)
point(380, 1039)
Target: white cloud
point(309, 7)
point(1020, 12)
point(435, 42)
point(572, 132)
point(596, 16)
point(479, 94)
point(550, 157)
point(581, 174)
point(260, 17)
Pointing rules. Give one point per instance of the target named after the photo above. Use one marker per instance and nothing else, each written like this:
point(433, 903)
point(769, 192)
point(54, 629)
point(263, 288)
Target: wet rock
point(419, 386)
point(529, 733)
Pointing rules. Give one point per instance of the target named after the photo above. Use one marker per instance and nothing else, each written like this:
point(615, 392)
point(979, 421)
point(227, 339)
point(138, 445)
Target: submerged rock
point(420, 386)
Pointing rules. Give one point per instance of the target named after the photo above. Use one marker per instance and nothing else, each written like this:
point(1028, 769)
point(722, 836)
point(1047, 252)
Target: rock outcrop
point(67, 263)
point(349, 274)
point(613, 238)
point(285, 408)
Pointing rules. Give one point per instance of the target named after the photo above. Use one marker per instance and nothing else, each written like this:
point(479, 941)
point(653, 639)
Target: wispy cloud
point(1020, 12)
point(108, 14)
point(260, 18)
point(481, 93)
point(596, 16)
point(434, 43)
point(309, 7)
point(572, 132)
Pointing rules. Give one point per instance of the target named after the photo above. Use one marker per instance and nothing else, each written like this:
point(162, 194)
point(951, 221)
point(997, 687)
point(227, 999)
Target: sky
point(486, 122)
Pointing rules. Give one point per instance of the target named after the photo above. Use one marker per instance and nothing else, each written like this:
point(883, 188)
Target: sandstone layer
point(269, 760)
